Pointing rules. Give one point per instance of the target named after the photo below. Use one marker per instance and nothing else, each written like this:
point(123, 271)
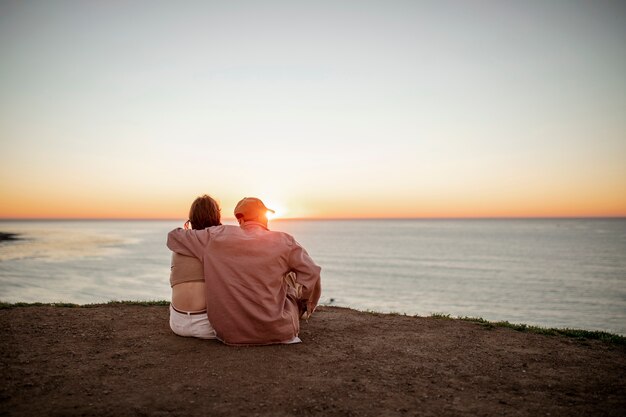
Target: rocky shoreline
point(8, 236)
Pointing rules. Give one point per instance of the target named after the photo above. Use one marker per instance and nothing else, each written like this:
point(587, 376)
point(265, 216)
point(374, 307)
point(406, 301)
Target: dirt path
point(124, 360)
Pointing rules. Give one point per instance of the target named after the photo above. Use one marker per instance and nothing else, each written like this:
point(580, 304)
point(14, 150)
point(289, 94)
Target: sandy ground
point(123, 360)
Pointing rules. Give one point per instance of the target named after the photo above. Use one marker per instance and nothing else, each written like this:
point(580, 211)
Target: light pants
point(191, 325)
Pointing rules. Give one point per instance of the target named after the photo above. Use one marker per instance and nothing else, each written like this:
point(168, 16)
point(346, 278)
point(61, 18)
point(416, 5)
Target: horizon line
point(324, 218)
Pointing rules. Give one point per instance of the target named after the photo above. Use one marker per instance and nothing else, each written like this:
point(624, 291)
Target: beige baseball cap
point(250, 208)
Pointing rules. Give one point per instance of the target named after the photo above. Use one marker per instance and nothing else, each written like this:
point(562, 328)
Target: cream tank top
point(185, 269)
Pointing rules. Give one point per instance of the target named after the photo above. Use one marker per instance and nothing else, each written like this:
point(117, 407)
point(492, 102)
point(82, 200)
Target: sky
point(325, 109)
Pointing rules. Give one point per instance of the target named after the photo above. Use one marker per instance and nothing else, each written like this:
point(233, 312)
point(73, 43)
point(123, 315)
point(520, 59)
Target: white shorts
point(191, 325)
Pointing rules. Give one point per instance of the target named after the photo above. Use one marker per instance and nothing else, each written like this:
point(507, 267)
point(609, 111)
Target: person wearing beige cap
point(258, 282)
point(251, 209)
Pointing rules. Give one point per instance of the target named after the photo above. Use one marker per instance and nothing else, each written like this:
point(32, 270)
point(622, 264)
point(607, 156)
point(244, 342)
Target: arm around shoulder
point(188, 242)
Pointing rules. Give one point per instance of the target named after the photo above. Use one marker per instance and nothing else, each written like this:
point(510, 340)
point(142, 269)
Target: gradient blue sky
point(324, 109)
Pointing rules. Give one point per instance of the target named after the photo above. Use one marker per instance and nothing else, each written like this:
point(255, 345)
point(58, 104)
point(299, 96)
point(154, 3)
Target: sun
point(279, 211)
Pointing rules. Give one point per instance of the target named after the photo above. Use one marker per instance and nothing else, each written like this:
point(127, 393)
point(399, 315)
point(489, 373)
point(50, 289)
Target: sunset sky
point(130, 109)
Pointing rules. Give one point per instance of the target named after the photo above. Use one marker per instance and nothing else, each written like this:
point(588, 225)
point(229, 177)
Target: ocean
point(546, 272)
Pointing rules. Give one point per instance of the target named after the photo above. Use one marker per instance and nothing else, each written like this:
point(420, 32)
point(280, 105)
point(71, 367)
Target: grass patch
point(134, 303)
point(4, 305)
point(440, 316)
point(374, 313)
point(578, 334)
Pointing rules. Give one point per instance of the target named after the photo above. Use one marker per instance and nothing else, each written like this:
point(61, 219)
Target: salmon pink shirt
point(248, 300)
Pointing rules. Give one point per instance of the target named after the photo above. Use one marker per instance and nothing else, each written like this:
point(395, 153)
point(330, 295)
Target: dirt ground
point(123, 360)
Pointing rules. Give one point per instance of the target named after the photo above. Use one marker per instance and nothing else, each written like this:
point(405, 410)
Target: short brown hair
point(204, 212)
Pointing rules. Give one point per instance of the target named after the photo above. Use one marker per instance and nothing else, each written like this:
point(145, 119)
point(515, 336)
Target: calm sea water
point(556, 273)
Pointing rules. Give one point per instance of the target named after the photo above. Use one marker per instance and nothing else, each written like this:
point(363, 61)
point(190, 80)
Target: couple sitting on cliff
point(242, 285)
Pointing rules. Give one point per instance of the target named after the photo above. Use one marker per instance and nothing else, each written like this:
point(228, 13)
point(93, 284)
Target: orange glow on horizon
point(426, 210)
point(67, 204)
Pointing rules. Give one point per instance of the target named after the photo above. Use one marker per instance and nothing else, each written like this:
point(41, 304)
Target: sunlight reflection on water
point(60, 245)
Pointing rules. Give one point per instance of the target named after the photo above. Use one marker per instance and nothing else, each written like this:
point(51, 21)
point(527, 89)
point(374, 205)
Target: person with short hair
point(258, 282)
point(188, 313)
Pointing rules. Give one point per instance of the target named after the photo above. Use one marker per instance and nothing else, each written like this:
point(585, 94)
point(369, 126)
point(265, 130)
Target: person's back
point(188, 316)
point(187, 283)
point(248, 299)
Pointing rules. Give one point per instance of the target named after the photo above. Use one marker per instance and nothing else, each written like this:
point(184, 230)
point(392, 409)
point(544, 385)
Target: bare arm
point(188, 242)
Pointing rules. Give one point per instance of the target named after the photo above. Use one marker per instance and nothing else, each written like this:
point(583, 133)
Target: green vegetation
point(578, 334)
point(13, 305)
point(440, 316)
point(133, 303)
point(70, 305)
